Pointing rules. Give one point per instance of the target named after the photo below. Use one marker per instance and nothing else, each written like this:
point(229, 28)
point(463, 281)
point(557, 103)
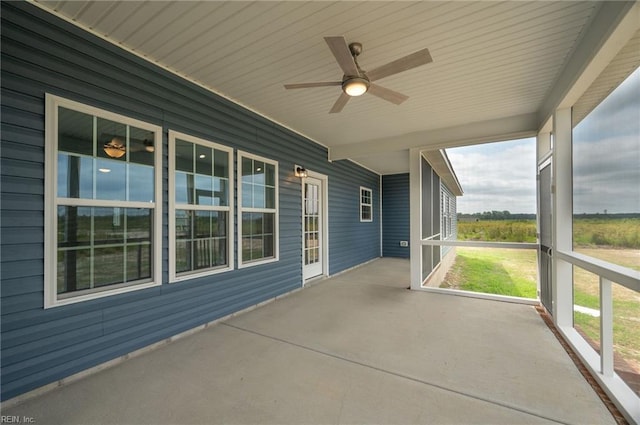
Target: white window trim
point(241, 209)
point(370, 205)
point(173, 276)
point(51, 299)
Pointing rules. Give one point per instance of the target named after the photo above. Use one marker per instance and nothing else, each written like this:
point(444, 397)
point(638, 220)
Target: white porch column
point(562, 220)
point(415, 217)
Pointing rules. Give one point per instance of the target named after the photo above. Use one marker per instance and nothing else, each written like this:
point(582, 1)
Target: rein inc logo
point(6, 419)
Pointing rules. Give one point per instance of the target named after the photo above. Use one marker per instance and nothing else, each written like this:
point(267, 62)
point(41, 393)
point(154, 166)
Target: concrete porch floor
point(357, 348)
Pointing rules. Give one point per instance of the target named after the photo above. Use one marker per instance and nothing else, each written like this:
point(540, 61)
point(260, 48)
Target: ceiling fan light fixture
point(355, 86)
point(115, 148)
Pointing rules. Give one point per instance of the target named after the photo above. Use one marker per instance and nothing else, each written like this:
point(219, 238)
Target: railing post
point(606, 327)
point(415, 217)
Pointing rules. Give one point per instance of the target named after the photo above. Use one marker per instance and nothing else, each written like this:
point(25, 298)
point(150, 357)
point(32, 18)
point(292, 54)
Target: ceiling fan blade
point(341, 52)
point(421, 57)
point(307, 85)
point(342, 100)
point(386, 94)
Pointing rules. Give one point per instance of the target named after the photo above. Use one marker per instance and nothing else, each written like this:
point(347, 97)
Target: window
point(200, 207)
point(366, 202)
point(102, 218)
point(258, 209)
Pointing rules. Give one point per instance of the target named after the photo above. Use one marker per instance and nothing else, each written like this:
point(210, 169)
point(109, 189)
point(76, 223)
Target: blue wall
point(43, 54)
point(395, 213)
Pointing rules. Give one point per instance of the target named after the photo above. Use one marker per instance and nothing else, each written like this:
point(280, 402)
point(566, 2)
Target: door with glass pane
point(312, 227)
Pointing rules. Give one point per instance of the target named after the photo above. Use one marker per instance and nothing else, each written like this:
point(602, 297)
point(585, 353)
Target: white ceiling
point(491, 60)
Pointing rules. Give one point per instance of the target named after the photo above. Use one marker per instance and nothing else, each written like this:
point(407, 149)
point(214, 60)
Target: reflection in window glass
point(606, 178)
point(201, 178)
point(100, 159)
point(97, 246)
point(258, 193)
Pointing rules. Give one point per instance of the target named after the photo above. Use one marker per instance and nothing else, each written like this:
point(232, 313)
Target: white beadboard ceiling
point(491, 60)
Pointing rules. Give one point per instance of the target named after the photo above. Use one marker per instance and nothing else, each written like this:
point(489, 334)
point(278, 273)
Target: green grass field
point(514, 272)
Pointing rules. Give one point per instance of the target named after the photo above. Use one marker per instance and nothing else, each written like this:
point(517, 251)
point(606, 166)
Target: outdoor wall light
point(299, 171)
point(115, 148)
point(355, 86)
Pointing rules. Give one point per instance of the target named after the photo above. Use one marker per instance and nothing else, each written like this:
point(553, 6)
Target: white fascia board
point(501, 129)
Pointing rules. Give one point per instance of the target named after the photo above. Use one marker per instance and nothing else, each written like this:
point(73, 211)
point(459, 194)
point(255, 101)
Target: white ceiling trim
point(500, 129)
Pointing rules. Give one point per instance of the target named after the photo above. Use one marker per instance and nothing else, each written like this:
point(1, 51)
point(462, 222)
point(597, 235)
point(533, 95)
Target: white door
point(312, 227)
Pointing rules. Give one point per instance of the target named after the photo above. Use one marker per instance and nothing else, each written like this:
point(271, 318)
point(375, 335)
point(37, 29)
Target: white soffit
point(491, 60)
point(623, 65)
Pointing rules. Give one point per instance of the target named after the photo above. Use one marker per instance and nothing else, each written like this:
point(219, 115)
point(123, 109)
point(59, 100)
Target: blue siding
point(395, 215)
point(43, 54)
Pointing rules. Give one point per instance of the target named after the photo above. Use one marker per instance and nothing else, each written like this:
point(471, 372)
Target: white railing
point(602, 365)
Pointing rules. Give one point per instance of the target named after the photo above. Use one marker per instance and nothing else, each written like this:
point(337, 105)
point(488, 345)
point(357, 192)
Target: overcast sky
point(606, 154)
point(606, 151)
point(496, 176)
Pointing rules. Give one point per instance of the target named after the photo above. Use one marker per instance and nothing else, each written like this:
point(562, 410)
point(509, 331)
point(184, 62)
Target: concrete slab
point(357, 348)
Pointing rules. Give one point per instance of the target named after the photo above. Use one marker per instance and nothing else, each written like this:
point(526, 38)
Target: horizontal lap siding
point(42, 54)
point(395, 210)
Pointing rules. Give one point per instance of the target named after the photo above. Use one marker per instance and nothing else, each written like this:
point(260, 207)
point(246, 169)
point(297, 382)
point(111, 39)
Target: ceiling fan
point(355, 81)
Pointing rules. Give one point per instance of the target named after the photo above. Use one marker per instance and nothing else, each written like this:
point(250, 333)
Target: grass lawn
point(494, 271)
point(514, 272)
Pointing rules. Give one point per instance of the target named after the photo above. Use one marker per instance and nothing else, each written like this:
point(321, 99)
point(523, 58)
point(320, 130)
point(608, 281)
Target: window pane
point(184, 156)
point(269, 223)
point(221, 164)
point(183, 256)
point(247, 170)
point(202, 253)
point(108, 266)
point(246, 248)
point(113, 133)
point(204, 160)
point(219, 223)
point(75, 176)
point(184, 188)
point(141, 183)
point(247, 195)
point(75, 132)
point(141, 146)
point(74, 226)
point(74, 270)
point(183, 224)
point(204, 190)
point(108, 226)
point(220, 252)
point(268, 246)
point(270, 175)
point(138, 262)
point(203, 224)
point(220, 192)
point(270, 201)
point(258, 197)
point(111, 180)
point(139, 224)
point(258, 172)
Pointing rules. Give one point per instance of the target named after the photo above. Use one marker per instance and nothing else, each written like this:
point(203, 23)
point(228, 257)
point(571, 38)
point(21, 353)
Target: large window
point(366, 204)
point(102, 216)
point(201, 207)
point(258, 209)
